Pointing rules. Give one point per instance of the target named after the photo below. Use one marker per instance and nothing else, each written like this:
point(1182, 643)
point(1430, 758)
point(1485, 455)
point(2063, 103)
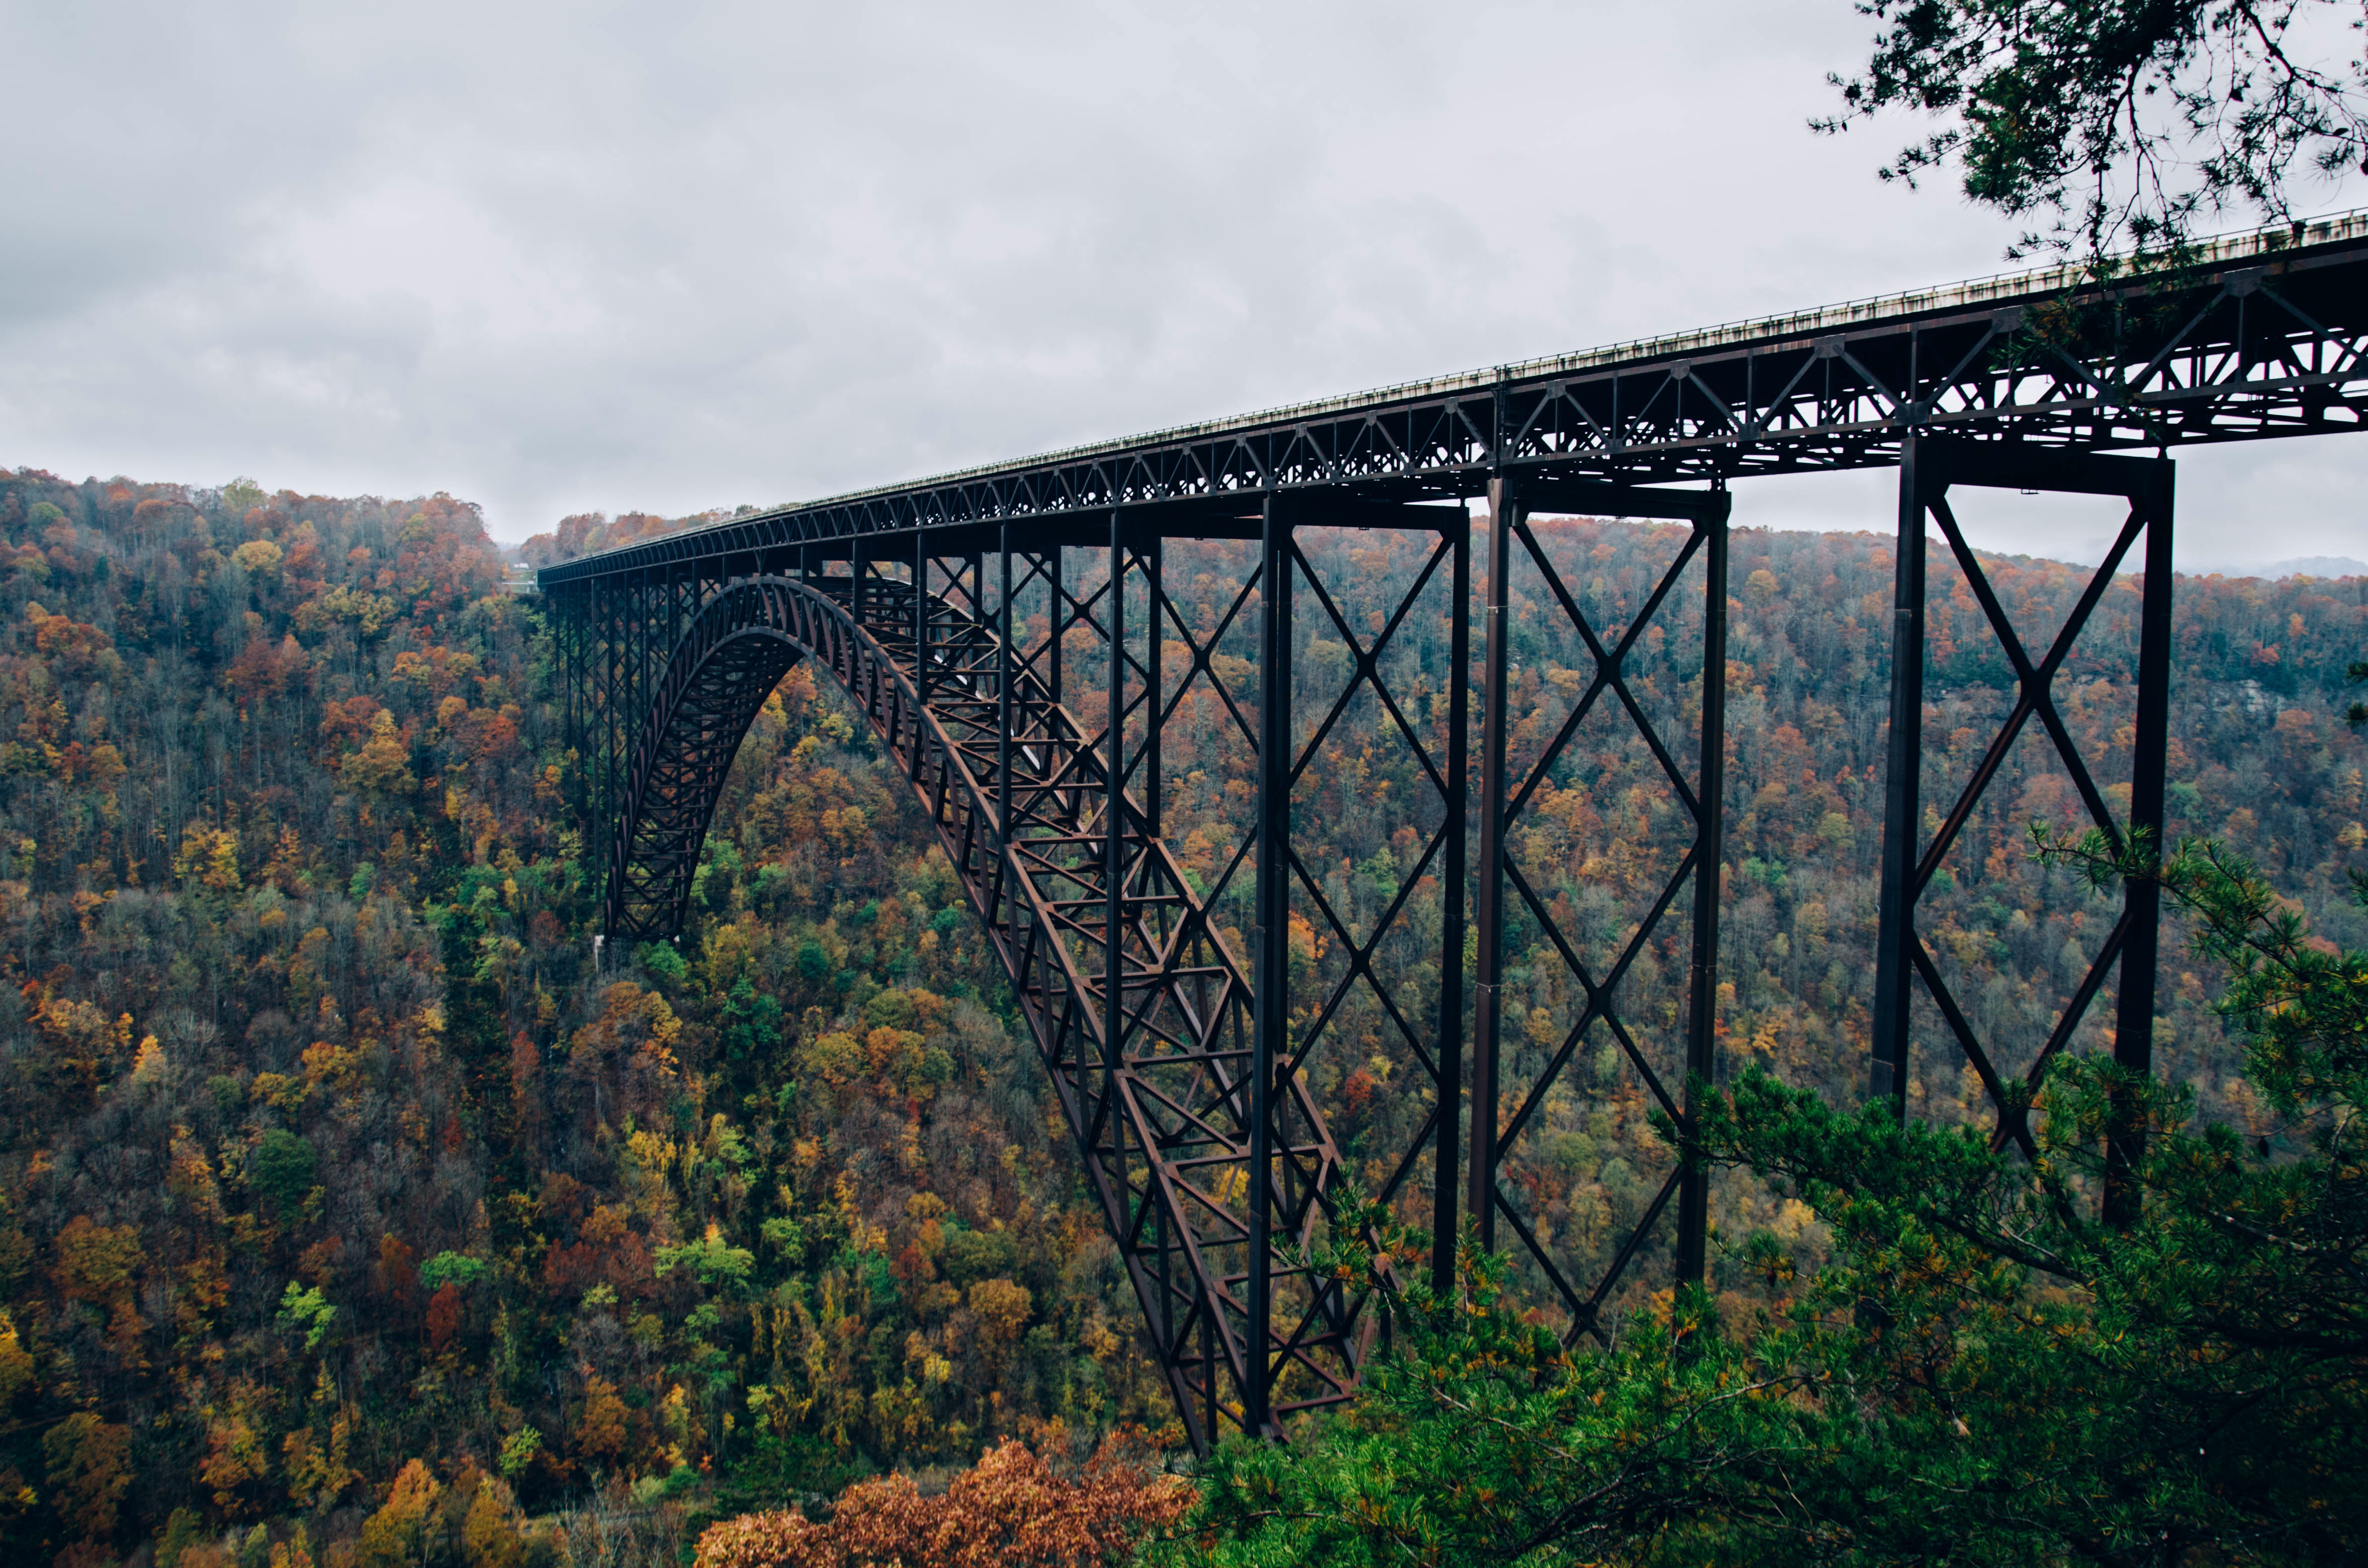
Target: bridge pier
point(1502, 892)
point(1929, 467)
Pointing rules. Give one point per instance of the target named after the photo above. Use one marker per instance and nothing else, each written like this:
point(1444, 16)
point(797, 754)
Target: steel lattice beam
point(2263, 335)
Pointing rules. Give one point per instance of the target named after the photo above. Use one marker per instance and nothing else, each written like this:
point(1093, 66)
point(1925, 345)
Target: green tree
point(2118, 120)
point(1984, 1373)
point(307, 1309)
point(283, 1167)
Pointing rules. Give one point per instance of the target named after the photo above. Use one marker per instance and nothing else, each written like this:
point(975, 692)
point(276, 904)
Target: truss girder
point(2268, 338)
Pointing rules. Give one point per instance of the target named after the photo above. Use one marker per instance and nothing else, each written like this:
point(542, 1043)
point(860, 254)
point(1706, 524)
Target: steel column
point(1003, 705)
point(1114, 844)
point(1489, 896)
point(921, 614)
point(1154, 595)
point(1270, 1037)
point(1702, 1002)
point(2134, 1018)
point(1903, 789)
point(612, 628)
point(1446, 1174)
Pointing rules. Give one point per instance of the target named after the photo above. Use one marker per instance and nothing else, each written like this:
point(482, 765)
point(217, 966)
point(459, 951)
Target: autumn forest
point(349, 1215)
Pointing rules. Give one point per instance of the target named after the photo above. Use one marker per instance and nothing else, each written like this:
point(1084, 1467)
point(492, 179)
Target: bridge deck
point(2259, 335)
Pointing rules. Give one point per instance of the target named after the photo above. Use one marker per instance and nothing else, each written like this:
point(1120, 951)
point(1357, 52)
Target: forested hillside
point(326, 1150)
point(342, 1196)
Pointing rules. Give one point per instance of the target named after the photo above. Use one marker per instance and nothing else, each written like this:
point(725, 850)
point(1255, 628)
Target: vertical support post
point(557, 607)
point(600, 691)
point(1113, 838)
point(572, 606)
point(674, 586)
point(561, 608)
point(1003, 712)
point(1446, 1174)
point(921, 615)
point(563, 632)
point(641, 602)
point(920, 646)
point(1489, 902)
point(1149, 561)
point(1903, 828)
point(1701, 1021)
point(1056, 616)
point(612, 666)
point(1273, 998)
point(2134, 1016)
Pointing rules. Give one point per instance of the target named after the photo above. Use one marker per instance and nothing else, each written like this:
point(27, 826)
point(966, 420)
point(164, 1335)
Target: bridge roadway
point(2262, 338)
point(1179, 1062)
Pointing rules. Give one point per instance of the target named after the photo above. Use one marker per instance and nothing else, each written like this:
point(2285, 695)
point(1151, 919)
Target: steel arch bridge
point(955, 611)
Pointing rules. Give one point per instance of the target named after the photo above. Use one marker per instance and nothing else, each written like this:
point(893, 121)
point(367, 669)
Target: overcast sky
point(670, 257)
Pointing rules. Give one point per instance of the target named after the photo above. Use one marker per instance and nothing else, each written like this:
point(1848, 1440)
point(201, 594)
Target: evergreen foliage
point(2120, 121)
point(1983, 1372)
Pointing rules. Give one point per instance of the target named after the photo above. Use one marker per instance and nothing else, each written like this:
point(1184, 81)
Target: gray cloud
point(573, 257)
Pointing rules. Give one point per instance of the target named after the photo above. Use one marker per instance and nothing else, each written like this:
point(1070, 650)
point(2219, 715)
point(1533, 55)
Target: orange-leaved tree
point(1012, 1510)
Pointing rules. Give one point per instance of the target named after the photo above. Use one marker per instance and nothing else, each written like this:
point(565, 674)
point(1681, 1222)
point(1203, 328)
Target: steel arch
point(1151, 1073)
